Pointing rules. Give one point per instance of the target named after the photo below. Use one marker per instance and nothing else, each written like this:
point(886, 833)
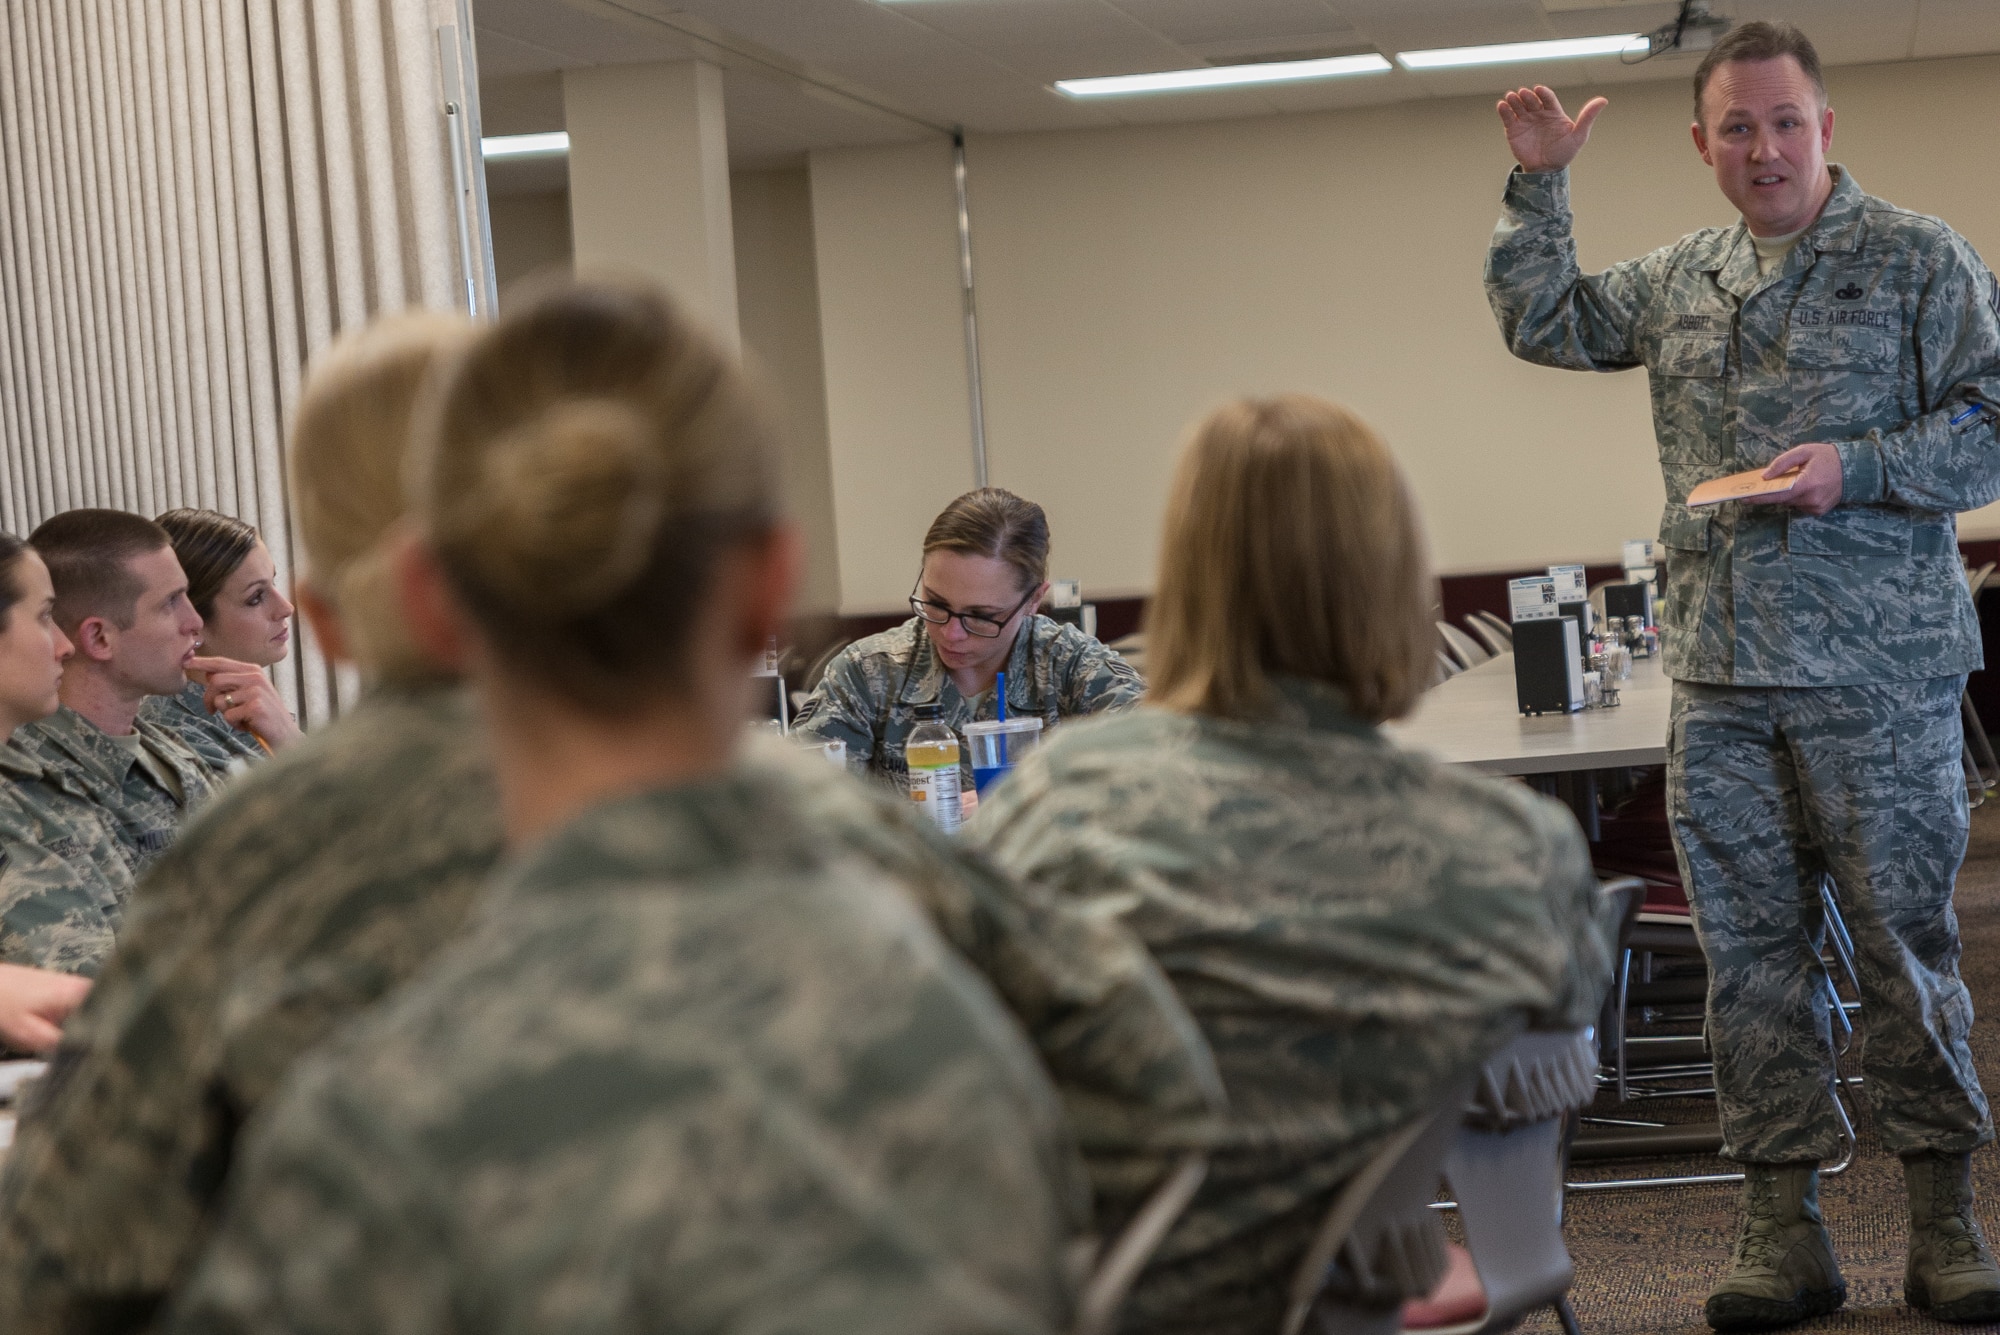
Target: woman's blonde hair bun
point(588, 462)
point(570, 504)
point(348, 445)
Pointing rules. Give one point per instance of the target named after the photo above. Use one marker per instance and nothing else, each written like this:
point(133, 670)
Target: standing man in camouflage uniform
point(1818, 644)
point(95, 793)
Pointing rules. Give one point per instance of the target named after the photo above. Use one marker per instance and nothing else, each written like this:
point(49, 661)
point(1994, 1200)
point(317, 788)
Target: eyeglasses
point(986, 628)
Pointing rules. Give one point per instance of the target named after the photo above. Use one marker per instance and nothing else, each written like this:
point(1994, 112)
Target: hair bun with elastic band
point(568, 506)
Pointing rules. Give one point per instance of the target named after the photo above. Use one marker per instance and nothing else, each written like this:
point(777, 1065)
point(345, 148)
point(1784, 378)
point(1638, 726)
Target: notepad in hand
point(1742, 486)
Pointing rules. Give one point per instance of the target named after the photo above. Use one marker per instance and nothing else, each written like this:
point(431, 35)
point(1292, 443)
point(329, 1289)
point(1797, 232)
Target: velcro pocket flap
point(1683, 530)
point(1682, 355)
point(1861, 530)
point(1843, 348)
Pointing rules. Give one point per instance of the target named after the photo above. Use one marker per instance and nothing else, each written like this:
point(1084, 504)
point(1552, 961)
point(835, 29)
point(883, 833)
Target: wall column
point(649, 181)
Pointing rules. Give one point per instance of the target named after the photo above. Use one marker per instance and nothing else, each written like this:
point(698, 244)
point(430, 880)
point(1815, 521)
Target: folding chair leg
point(1566, 1317)
point(1618, 1038)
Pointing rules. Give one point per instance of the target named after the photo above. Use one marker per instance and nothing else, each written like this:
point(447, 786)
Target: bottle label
point(935, 791)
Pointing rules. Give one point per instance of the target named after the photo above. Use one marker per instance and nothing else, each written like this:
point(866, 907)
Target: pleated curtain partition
point(196, 197)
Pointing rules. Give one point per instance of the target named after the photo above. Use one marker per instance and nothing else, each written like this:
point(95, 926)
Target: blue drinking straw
point(1000, 714)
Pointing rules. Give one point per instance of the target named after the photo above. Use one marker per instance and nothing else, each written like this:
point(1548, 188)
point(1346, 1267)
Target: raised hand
point(1542, 135)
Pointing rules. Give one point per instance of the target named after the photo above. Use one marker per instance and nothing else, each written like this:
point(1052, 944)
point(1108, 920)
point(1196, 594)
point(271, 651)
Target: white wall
point(1129, 279)
point(898, 416)
point(530, 237)
point(777, 302)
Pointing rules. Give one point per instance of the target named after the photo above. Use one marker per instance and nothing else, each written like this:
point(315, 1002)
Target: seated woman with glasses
point(985, 572)
point(1354, 927)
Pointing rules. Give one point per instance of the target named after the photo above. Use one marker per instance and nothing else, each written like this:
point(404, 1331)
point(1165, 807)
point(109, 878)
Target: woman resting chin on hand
point(230, 713)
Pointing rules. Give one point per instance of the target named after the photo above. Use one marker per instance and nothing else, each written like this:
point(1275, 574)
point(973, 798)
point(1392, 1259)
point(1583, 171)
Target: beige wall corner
point(530, 238)
point(898, 417)
point(777, 298)
point(649, 180)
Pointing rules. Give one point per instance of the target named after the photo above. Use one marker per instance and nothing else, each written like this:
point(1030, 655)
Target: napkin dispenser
point(1548, 666)
point(1630, 600)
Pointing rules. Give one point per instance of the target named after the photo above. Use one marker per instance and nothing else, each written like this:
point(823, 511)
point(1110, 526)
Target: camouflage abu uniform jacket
point(1879, 332)
point(321, 922)
point(146, 816)
point(64, 876)
point(871, 690)
point(309, 888)
point(1354, 927)
point(1136, 1077)
point(691, 1068)
point(223, 747)
point(80, 819)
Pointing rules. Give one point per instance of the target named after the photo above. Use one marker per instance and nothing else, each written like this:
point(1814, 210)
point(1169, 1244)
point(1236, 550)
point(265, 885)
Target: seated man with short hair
point(94, 792)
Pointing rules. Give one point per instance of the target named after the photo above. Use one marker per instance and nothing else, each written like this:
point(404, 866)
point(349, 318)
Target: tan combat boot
point(1784, 1269)
point(1951, 1275)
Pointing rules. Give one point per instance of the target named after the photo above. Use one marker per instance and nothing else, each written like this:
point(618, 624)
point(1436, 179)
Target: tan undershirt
point(158, 770)
point(1771, 250)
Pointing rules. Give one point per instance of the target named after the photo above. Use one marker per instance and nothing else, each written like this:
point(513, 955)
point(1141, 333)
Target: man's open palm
point(1543, 137)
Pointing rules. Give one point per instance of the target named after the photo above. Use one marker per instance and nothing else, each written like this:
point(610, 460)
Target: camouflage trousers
point(1768, 788)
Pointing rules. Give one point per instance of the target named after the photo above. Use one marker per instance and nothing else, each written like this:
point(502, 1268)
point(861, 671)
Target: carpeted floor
point(1645, 1259)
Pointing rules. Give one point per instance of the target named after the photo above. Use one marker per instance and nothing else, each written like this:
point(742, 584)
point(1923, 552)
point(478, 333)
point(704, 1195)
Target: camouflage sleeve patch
point(846, 706)
point(1946, 459)
point(1549, 311)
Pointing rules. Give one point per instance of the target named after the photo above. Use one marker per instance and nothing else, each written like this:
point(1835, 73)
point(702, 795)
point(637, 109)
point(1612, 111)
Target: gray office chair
point(1495, 642)
point(1461, 646)
point(1381, 1243)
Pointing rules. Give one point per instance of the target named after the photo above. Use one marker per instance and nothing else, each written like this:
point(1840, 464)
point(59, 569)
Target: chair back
point(1504, 628)
point(1381, 1242)
point(1505, 1169)
point(1462, 646)
point(1104, 1292)
point(1495, 642)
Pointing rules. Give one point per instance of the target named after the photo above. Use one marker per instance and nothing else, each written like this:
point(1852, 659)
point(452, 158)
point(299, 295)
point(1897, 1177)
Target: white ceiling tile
point(580, 39)
point(1045, 40)
point(1197, 22)
point(1957, 27)
point(502, 57)
point(1845, 32)
point(985, 64)
point(1397, 26)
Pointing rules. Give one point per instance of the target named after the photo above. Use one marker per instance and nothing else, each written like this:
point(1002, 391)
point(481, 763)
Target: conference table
point(1473, 720)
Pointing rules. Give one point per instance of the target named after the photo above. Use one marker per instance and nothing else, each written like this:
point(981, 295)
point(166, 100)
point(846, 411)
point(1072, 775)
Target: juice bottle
point(932, 757)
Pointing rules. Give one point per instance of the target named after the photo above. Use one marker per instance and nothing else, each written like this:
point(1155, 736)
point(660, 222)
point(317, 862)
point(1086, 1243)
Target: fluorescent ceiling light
point(525, 145)
point(1509, 52)
point(1224, 76)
